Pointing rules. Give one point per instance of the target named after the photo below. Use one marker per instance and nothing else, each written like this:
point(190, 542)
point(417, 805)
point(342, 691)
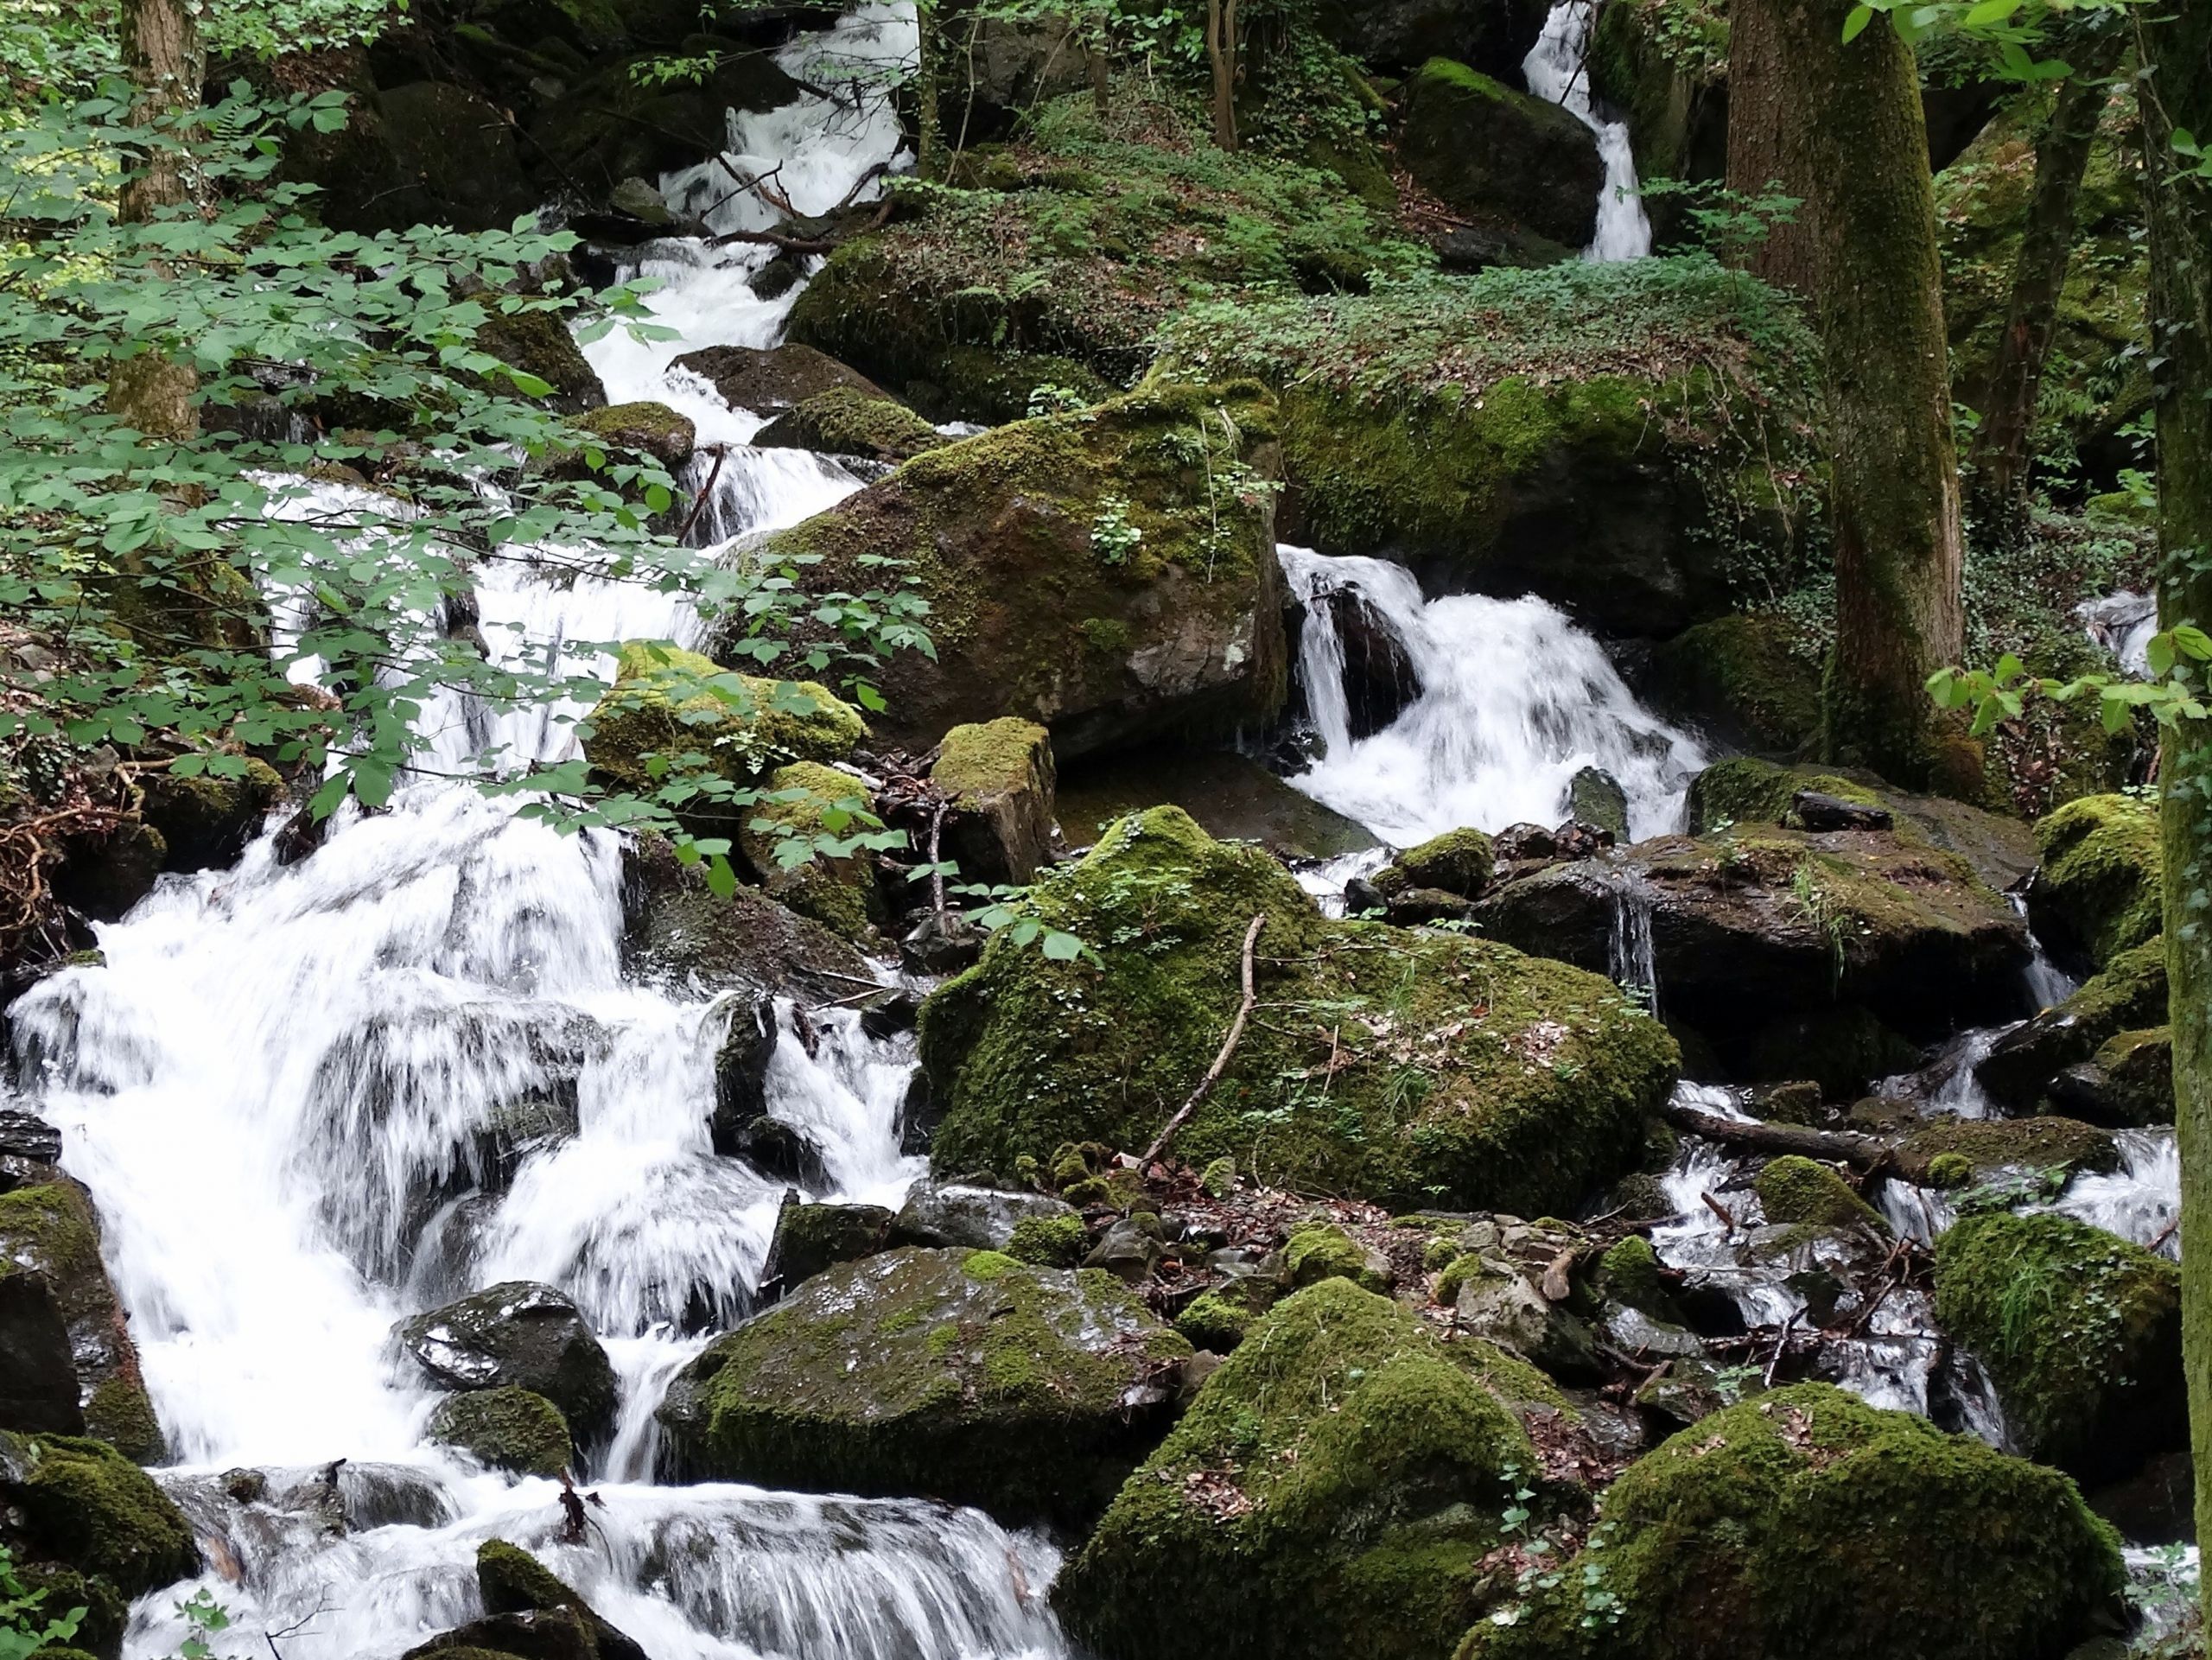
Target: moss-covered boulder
point(2079, 1331)
point(1799, 1190)
point(206, 819)
point(84, 1504)
point(650, 428)
point(679, 932)
point(2128, 994)
point(2128, 1083)
point(1747, 678)
point(1459, 862)
point(2098, 891)
point(509, 1428)
point(844, 421)
point(810, 1238)
point(1805, 1523)
point(675, 707)
point(70, 1365)
point(1991, 1146)
point(1226, 794)
point(1490, 151)
point(999, 778)
point(769, 380)
point(517, 1334)
point(1459, 1071)
point(790, 836)
point(1747, 791)
point(952, 1374)
point(1758, 923)
point(1108, 574)
point(1332, 1491)
point(512, 1582)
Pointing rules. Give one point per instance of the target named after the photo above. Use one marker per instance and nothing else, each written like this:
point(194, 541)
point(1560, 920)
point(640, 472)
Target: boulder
point(1459, 862)
point(1744, 678)
point(998, 777)
point(977, 1218)
point(1488, 151)
point(615, 120)
point(1797, 1190)
point(84, 1504)
point(512, 1582)
point(741, 1073)
point(2097, 893)
point(1756, 924)
point(1379, 677)
point(651, 429)
point(1806, 1522)
point(508, 1428)
point(1229, 795)
point(558, 1634)
point(1595, 798)
point(676, 930)
point(772, 380)
point(1989, 1147)
point(1129, 548)
point(521, 1334)
point(1512, 1311)
point(1320, 1250)
point(2129, 992)
point(425, 153)
point(845, 421)
point(76, 1369)
point(205, 821)
point(1459, 1071)
point(2128, 1084)
point(957, 1374)
point(806, 811)
point(1332, 1491)
point(1494, 36)
point(810, 1238)
point(534, 338)
point(2079, 1331)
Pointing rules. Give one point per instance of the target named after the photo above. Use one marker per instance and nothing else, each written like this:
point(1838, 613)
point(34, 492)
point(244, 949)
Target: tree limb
point(1836, 1146)
point(1220, 1061)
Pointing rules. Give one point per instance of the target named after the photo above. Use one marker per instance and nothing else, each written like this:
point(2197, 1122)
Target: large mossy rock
point(69, 1365)
point(1495, 432)
point(1807, 1524)
point(998, 778)
point(523, 1335)
point(2129, 994)
point(1332, 1491)
point(508, 1428)
point(512, 1582)
point(1228, 795)
point(2098, 891)
point(1759, 924)
point(1486, 150)
point(1459, 1073)
point(678, 931)
point(82, 1503)
point(2079, 1331)
point(844, 422)
point(1744, 677)
point(1108, 574)
point(957, 1374)
point(678, 706)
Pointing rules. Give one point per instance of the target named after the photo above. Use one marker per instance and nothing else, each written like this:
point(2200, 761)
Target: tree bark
point(1999, 455)
point(929, 139)
point(1221, 57)
point(2174, 47)
point(1850, 136)
point(1765, 147)
point(152, 393)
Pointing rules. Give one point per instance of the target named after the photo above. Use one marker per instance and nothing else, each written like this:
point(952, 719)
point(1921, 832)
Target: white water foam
point(1558, 70)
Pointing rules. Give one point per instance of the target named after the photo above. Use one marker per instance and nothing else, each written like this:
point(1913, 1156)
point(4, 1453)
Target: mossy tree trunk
point(929, 140)
point(2174, 45)
point(1765, 147)
point(1848, 133)
point(152, 392)
point(1221, 57)
point(1999, 455)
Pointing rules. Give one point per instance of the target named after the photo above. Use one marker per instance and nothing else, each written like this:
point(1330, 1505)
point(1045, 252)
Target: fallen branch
point(1781, 1343)
point(1220, 1061)
point(706, 494)
point(1835, 1146)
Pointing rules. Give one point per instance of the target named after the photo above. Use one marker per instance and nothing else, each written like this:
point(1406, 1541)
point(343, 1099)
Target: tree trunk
point(152, 393)
point(1849, 133)
point(929, 141)
point(2000, 456)
point(1766, 148)
point(1221, 56)
point(2174, 45)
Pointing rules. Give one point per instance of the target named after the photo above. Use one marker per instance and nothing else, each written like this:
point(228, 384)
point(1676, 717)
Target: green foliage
point(27, 1625)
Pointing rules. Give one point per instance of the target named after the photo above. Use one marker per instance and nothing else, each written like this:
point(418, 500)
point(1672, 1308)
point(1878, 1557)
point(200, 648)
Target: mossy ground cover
point(1408, 1068)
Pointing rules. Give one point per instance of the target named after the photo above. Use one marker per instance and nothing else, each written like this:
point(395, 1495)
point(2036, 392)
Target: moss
point(1950, 1170)
point(2098, 891)
point(1218, 1179)
point(205, 820)
point(1992, 1144)
point(1746, 791)
point(2128, 994)
point(1319, 1251)
point(88, 1505)
point(673, 704)
point(1049, 1241)
point(806, 801)
point(989, 758)
point(964, 1376)
point(107, 1614)
point(1459, 1071)
point(845, 421)
point(1629, 1272)
point(1793, 1189)
point(2079, 1331)
point(654, 430)
point(1215, 1320)
point(1458, 861)
point(1332, 1491)
point(1744, 672)
point(1807, 1523)
point(535, 339)
point(508, 1427)
point(120, 1412)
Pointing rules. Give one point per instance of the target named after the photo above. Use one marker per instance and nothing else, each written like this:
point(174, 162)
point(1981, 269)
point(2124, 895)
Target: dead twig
point(1781, 1343)
point(1220, 1061)
point(706, 494)
point(1720, 1210)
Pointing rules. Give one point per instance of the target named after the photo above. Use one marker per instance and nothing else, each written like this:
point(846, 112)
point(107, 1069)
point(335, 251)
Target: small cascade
point(1514, 700)
point(1557, 69)
point(2122, 623)
point(1631, 961)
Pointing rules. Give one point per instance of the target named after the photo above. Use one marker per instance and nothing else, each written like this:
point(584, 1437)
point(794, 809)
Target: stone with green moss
point(653, 428)
point(509, 1428)
point(1794, 1189)
point(512, 1582)
point(2098, 891)
point(1153, 511)
point(1000, 777)
point(2128, 1084)
point(959, 1375)
point(1460, 1073)
point(1992, 1145)
point(804, 804)
point(1806, 1522)
point(1745, 676)
point(2128, 994)
point(1629, 1273)
point(811, 1238)
point(1459, 862)
point(1229, 795)
point(1217, 1320)
point(844, 421)
point(678, 706)
point(1049, 1241)
point(535, 339)
point(84, 1504)
point(1493, 151)
point(206, 820)
point(1950, 1170)
point(1748, 793)
point(107, 1613)
point(1319, 1250)
point(2079, 1331)
point(1332, 1491)
point(676, 930)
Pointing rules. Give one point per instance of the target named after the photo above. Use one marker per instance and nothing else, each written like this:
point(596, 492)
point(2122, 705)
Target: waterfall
point(310, 1099)
point(1514, 700)
point(1558, 70)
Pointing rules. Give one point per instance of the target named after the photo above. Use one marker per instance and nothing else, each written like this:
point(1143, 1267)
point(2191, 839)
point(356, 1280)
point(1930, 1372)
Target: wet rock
point(1339, 1444)
point(844, 421)
point(1841, 1048)
point(1795, 1189)
point(1926, 1543)
point(207, 821)
point(1742, 678)
point(2097, 892)
point(1510, 1312)
point(1595, 797)
point(810, 1238)
point(1537, 1077)
point(1992, 1144)
point(1523, 843)
point(508, 1428)
point(38, 1375)
point(1379, 677)
point(1228, 795)
point(2130, 994)
point(84, 1504)
point(29, 1150)
point(103, 877)
point(676, 930)
point(512, 1582)
point(1458, 863)
point(1814, 810)
point(1688, 1391)
point(2079, 1331)
point(940, 942)
point(1749, 928)
point(999, 777)
point(741, 1073)
point(1488, 150)
point(805, 801)
point(770, 380)
point(522, 1334)
point(653, 428)
point(1130, 1250)
point(959, 1375)
point(2128, 1084)
point(1577, 840)
point(558, 1634)
point(977, 1218)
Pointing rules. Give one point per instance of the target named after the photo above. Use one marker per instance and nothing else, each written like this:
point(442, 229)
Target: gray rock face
point(523, 1334)
point(742, 1070)
point(1594, 797)
point(975, 1218)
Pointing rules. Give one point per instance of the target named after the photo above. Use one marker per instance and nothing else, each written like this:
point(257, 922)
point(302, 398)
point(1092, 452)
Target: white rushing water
point(1558, 70)
point(1514, 701)
point(311, 1099)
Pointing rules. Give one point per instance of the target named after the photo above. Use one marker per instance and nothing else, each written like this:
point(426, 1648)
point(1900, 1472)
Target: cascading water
point(1557, 69)
point(1514, 700)
point(311, 1099)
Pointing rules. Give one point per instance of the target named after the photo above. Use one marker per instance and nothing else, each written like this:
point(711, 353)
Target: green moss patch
point(508, 1427)
point(85, 1503)
point(675, 710)
point(2098, 891)
point(1797, 1190)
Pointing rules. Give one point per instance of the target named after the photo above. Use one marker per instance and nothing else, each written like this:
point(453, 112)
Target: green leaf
point(1989, 11)
point(1062, 947)
point(721, 880)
